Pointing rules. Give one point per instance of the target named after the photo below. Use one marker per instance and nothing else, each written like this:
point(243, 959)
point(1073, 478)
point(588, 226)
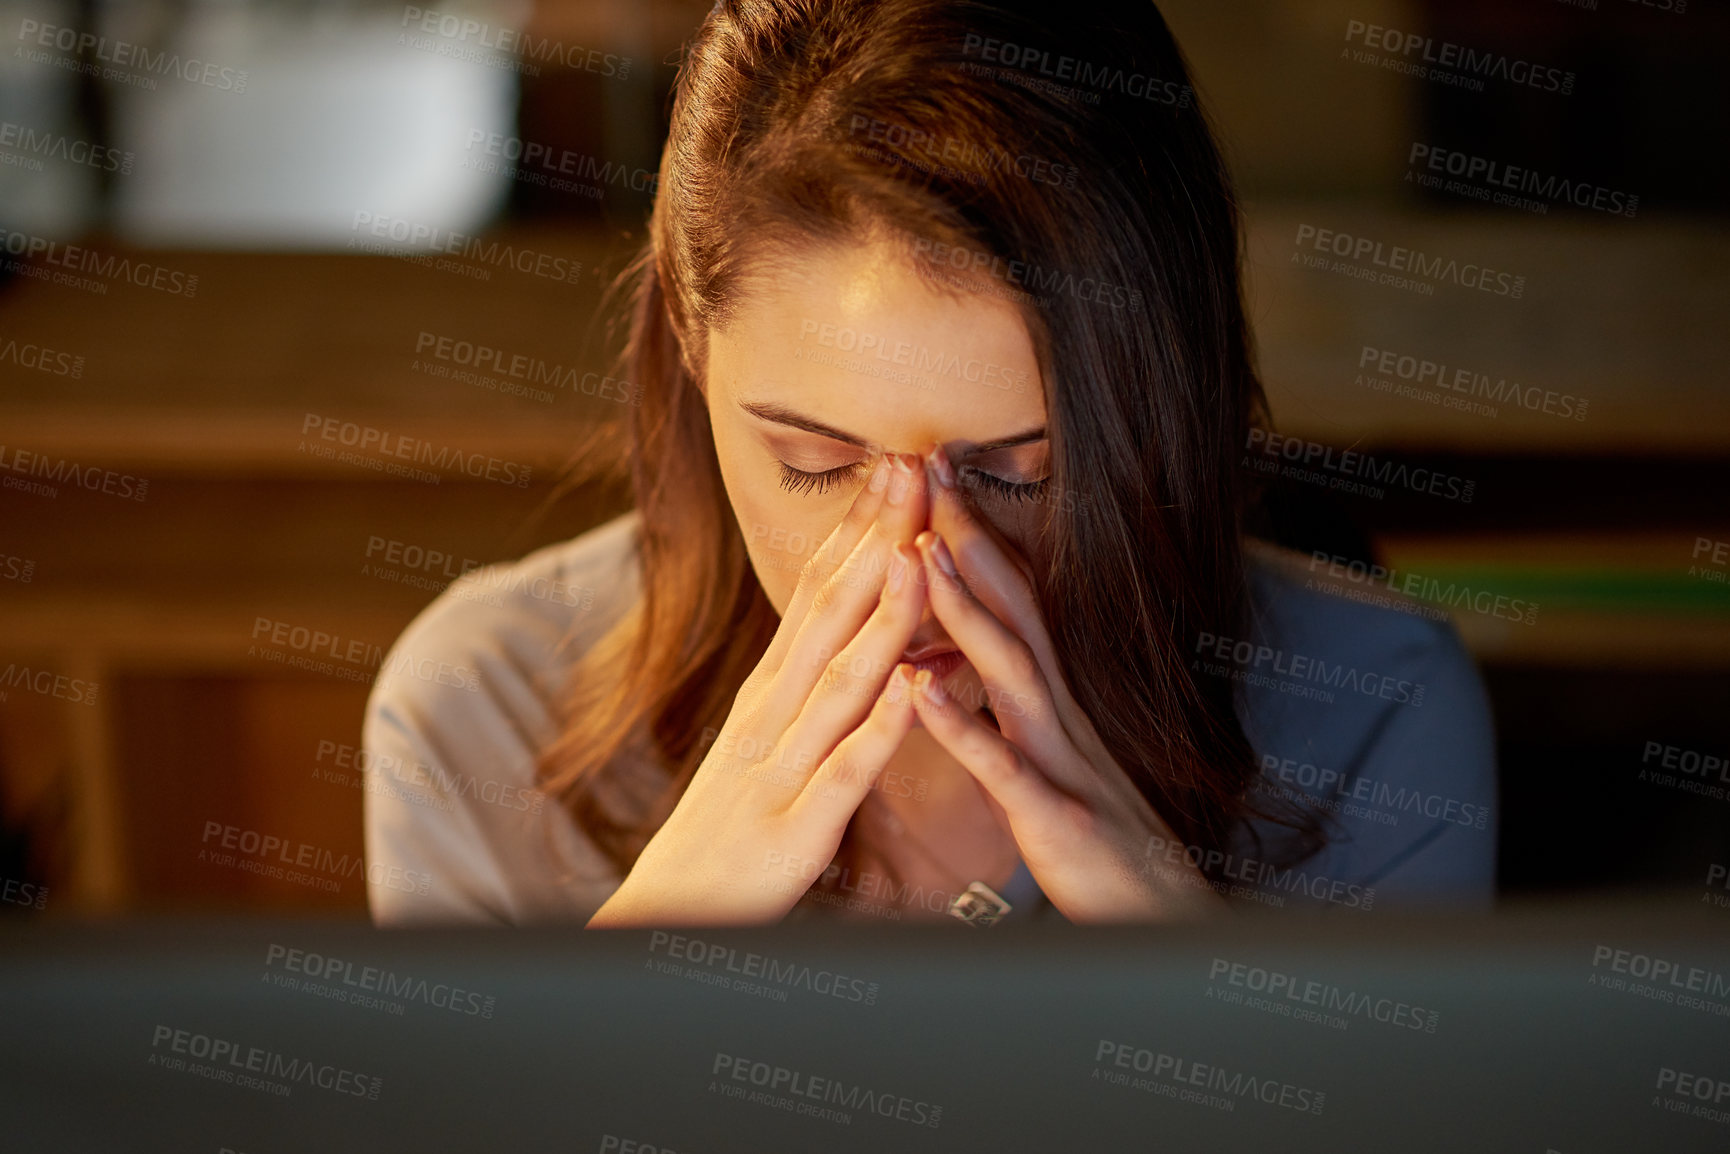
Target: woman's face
point(851, 353)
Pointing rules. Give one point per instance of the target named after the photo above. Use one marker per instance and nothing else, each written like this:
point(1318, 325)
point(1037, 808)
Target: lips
point(940, 660)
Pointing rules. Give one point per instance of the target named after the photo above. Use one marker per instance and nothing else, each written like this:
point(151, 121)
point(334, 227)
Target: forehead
point(855, 337)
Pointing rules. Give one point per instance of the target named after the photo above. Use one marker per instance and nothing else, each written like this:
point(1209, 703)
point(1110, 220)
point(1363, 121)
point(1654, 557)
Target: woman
point(937, 598)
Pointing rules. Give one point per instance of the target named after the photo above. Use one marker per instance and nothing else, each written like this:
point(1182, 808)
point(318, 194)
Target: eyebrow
point(782, 415)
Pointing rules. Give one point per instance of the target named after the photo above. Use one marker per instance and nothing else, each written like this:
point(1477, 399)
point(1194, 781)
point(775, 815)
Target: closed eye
point(994, 486)
point(799, 481)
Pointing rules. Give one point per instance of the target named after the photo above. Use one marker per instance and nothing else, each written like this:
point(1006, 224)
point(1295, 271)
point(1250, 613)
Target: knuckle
point(827, 596)
point(812, 571)
point(837, 671)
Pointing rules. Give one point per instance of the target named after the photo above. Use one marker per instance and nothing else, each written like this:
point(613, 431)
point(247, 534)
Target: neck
point(945, 830)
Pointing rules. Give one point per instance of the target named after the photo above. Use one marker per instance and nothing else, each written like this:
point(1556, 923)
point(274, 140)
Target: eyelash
point(799, 481)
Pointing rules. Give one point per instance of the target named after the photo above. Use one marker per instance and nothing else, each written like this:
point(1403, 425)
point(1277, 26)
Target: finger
point(996, 574)
point(838, 607)
point(1019, 694)
point(849, 681)
point(1001, 578)
point(848, 773)
point(1001, 769)
point(827, 558)
point(905, 500)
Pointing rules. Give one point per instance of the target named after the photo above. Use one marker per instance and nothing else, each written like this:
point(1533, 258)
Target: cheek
point(781, 531)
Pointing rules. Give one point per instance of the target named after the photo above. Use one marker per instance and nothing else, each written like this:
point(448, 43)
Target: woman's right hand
point(811, 729)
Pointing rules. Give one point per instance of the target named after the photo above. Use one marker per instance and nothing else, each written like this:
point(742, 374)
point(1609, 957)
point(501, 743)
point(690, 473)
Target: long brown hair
point(804, 124)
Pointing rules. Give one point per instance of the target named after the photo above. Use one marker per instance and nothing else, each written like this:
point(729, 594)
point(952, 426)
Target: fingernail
point(897, 571)
point(899, 681)
point(940, 553)
point(899, 476)
point(938, 460)
point(880, 475)
point(928, 685)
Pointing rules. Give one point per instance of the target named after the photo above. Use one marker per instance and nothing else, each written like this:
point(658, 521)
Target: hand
point(1082, 826)
point(809, 732)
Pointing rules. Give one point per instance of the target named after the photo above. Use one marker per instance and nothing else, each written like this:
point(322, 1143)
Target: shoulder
point(504, 617)
point(466, 699)
point(1363, 704)
point(1318, 624)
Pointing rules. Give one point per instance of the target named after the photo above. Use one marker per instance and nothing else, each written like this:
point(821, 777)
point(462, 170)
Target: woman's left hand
point(1087, 834)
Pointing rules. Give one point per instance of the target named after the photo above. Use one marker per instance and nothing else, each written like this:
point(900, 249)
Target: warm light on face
point(849, 354)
